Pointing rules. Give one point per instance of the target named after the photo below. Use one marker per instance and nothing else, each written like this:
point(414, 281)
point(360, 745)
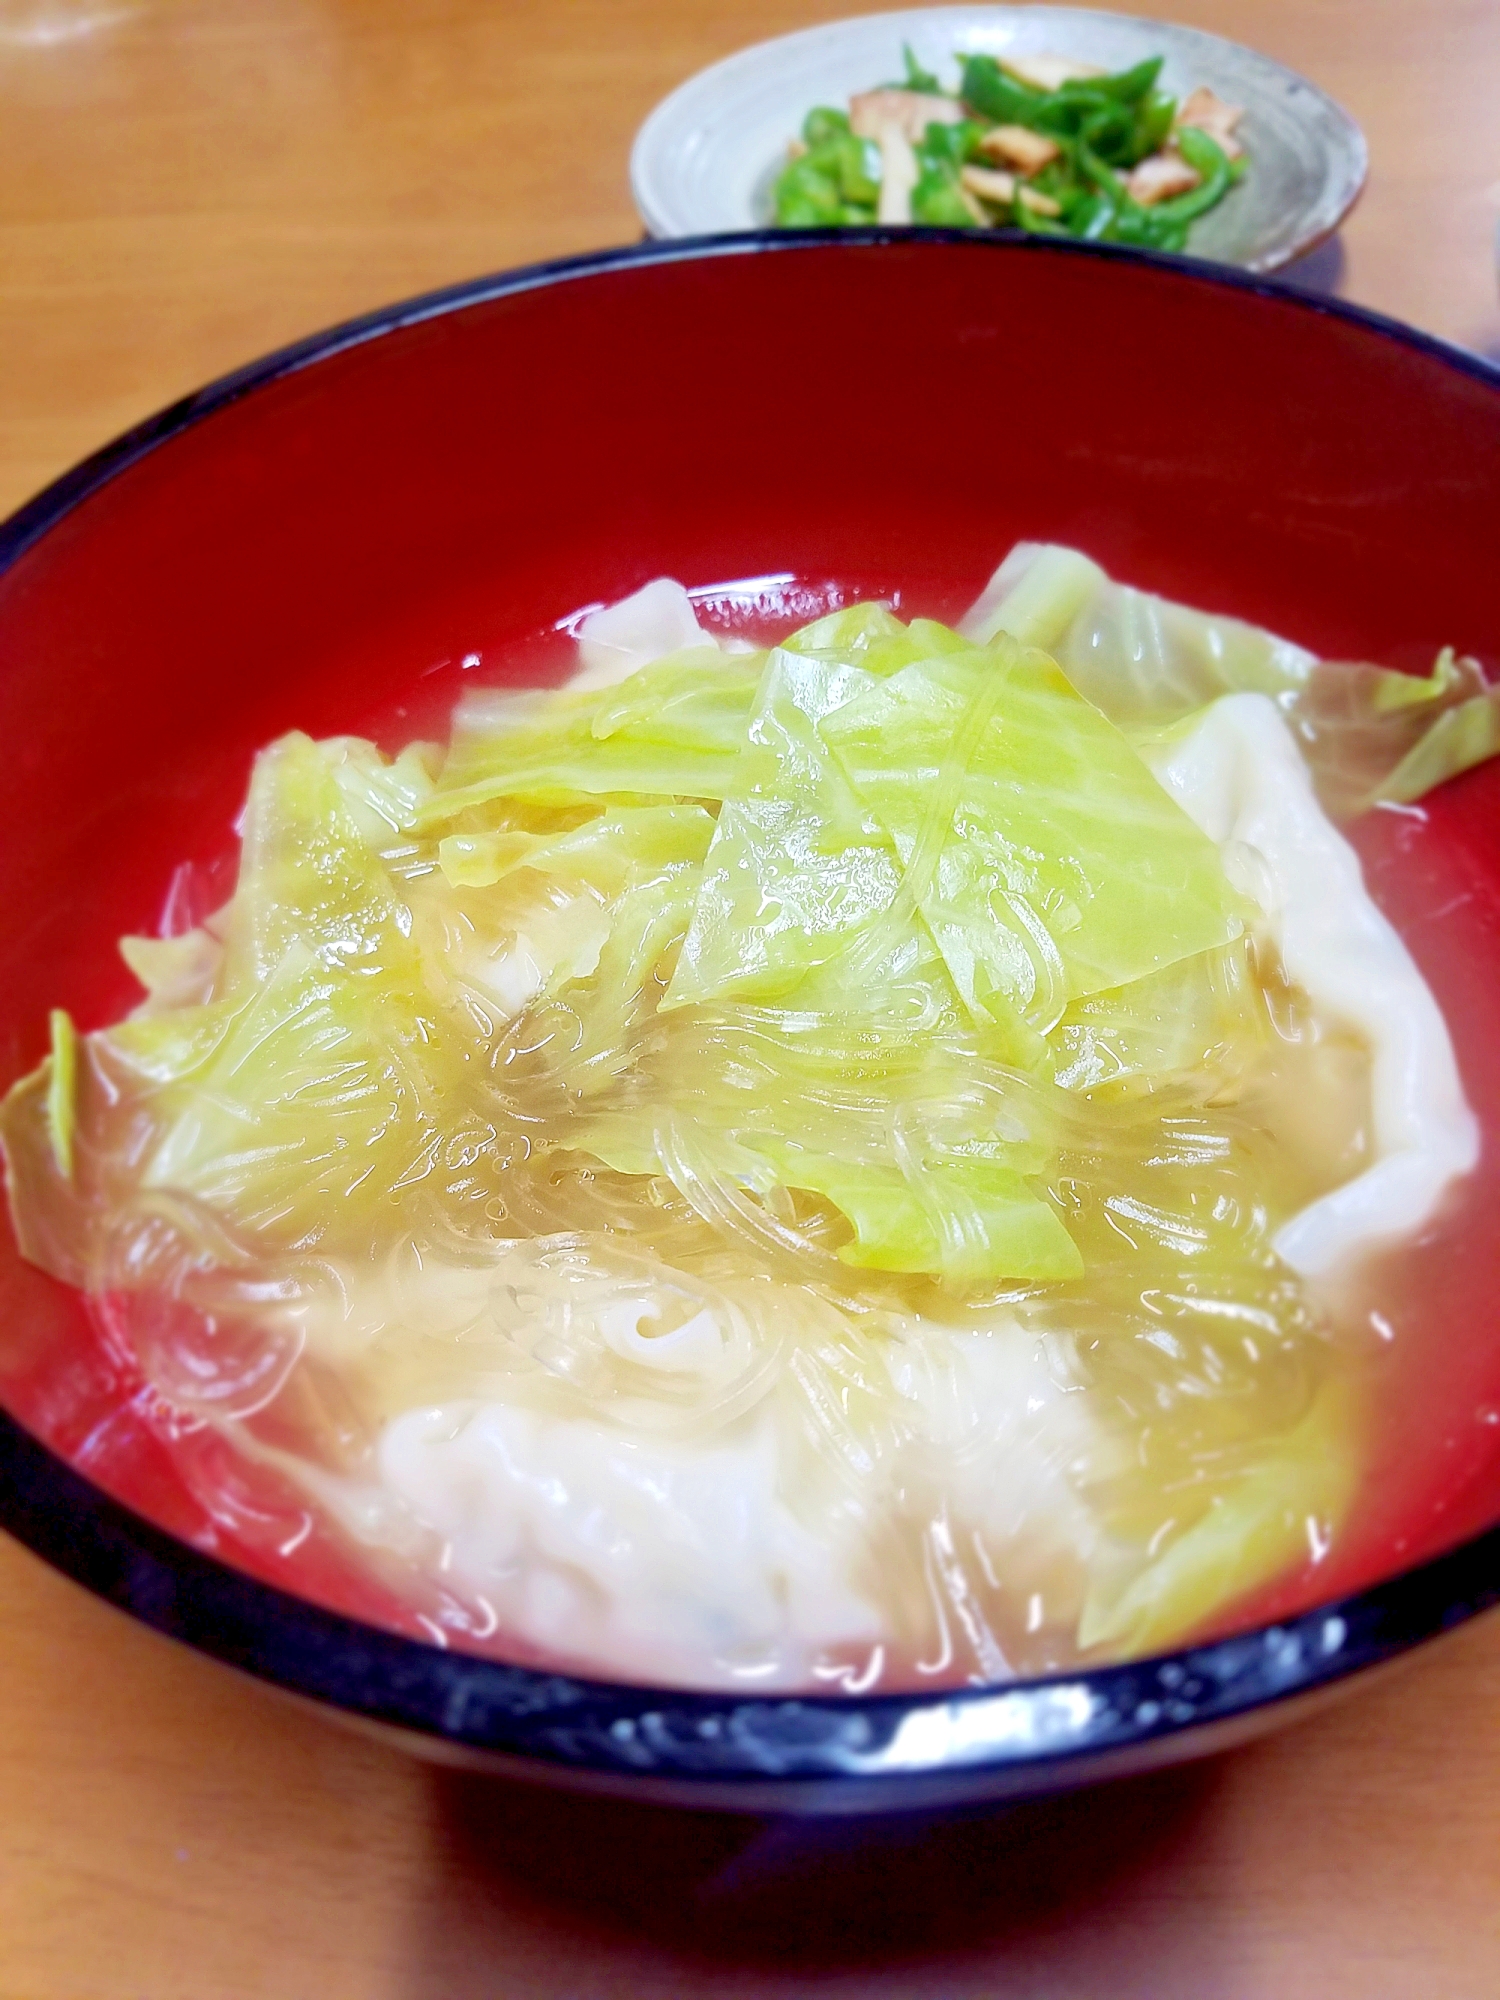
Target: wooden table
point(183, 184)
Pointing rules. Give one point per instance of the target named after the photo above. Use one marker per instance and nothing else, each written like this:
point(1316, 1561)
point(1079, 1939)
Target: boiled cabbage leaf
point(62, 1091)
point(797, 864)
point(928, 1149)
point(1143, 659)
point(308, 879)
point(607, 852)
point(1200, 1017)
point(1284, 1501)
point(1045, 857)
point(966, 1219)
point(1369, 734)
point(870, 637)
point(322, 1081)
point(672, 730)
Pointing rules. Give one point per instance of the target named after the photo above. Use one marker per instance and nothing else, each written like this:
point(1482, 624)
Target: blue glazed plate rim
point(623, 1731)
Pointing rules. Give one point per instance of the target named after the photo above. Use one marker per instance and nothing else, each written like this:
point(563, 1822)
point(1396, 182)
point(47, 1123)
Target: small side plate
point(705, 159)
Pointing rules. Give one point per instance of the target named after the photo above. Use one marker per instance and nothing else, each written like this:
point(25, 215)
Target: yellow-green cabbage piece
point(1370, 735)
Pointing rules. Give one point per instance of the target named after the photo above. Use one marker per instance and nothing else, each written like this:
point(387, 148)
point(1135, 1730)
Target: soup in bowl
point(795, 1105)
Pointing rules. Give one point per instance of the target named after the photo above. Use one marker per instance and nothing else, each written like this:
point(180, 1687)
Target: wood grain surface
point(184, 184)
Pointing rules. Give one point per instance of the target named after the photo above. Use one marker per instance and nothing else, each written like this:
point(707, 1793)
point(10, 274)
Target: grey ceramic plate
point(705, 159)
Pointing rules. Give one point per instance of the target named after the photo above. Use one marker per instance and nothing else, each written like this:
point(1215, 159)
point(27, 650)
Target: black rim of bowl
point(722, 1742)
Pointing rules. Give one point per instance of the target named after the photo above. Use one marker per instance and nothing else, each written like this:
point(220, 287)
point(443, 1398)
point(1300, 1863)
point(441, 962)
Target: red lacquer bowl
point(342, 536)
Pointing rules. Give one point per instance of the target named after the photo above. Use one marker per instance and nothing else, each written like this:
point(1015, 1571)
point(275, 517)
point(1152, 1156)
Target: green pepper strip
point(1110, 133)
point(917, 78)
point(1153, 121)
point(823, 123)
point(1038, 225)
point(1093, 168)
point(1093, 218)
point(1207, 157)
point(989, 90)
point(1129, 85)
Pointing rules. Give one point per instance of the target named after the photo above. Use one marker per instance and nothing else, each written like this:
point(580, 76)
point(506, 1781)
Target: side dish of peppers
point(1038, 143)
